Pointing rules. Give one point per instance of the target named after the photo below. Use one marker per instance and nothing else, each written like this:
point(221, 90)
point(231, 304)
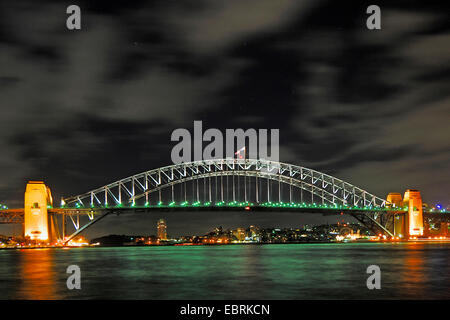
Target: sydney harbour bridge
point(221, 185)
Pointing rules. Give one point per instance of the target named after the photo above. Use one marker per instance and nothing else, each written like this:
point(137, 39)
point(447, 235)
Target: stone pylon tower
point(37, 198)
point(413, 200)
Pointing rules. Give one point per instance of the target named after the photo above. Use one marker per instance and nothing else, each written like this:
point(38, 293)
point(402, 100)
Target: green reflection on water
point(303, 271)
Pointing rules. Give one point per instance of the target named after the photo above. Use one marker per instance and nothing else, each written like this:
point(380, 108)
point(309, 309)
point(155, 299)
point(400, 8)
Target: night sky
point(80, 109)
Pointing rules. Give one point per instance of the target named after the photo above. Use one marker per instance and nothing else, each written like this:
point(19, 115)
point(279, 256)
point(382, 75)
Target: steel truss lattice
point(128, 191)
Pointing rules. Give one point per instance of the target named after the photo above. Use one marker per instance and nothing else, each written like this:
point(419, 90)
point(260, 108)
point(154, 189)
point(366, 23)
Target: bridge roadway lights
point(37, 198)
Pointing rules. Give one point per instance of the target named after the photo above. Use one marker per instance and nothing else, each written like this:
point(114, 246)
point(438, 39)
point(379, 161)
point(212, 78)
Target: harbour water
point(276, 271)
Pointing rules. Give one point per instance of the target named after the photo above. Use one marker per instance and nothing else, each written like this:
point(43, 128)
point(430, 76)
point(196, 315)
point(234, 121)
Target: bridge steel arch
point(127, 191)
point(125, 194)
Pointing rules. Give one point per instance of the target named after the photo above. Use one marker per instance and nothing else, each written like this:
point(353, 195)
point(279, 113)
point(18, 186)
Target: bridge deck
point(8, 216)
point(17, 215)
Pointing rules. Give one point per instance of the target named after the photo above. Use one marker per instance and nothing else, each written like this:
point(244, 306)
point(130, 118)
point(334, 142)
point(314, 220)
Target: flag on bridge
point(238, 153)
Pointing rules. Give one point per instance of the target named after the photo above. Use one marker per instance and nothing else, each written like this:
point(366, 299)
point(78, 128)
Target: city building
point(253, 234)
point(239, 233)
point(162, 229)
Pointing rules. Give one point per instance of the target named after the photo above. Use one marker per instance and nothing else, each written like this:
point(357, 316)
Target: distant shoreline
point(230, 244)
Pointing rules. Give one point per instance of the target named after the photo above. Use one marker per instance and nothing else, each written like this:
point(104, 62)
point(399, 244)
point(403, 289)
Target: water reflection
point(414, 276)
point(409, 271)
point(37, 273)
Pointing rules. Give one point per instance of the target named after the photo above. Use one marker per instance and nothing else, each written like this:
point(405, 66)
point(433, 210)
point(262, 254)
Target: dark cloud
point(83, 108)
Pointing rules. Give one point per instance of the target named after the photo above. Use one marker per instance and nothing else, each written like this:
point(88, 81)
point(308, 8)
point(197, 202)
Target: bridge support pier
point(413, 200)
point(411, 223)
point(36, 220)
point(395, 200)
point(400, 225)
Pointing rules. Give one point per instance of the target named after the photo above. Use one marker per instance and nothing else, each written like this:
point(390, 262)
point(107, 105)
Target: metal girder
point(87, 225)
point(12, 216)
point(125, 193)
point(329, 188)
point(375, 223)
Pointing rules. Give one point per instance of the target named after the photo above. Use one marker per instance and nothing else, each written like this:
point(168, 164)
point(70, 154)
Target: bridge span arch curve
point(141, 187)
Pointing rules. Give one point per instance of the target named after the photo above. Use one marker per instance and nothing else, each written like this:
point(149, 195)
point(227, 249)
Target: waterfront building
point(162, 229)
point(239, 233)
